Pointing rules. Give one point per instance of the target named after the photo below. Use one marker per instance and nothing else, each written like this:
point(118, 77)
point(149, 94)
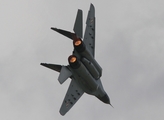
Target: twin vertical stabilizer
point(78, 26)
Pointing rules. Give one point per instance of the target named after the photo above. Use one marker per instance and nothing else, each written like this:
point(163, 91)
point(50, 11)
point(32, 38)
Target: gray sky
point(129, 47)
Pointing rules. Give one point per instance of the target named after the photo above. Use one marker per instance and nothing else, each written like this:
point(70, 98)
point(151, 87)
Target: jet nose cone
point(105, 99)
point(108, 101)
point(111, 105)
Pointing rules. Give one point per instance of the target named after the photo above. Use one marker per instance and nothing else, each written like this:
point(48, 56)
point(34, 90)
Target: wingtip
point(52, 28)
point(62, 113)
point(92, 10)
point(42, 63)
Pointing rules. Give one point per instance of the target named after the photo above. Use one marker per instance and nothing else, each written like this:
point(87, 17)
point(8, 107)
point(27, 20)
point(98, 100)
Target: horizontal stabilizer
point(65, 73)
point(52, 66)
point(65, 33)
point(78, 26)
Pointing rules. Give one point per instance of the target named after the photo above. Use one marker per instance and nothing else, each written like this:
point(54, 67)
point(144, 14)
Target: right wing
point(72, 96)
point(89, 37)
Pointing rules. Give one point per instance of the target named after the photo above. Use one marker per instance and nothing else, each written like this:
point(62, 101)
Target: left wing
point(72, 96)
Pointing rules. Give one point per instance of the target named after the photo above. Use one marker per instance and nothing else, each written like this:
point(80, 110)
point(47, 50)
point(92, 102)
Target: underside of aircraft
point(83, 69)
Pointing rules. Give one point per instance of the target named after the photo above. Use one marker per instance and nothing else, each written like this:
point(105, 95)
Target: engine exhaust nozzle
point(73, 62)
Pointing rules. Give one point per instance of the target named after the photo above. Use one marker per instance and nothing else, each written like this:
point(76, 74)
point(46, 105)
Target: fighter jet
point(83, 69)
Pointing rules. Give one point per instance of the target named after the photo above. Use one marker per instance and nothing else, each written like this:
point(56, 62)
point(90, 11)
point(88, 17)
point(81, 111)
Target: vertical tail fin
point(78, 26)
point(65, 73)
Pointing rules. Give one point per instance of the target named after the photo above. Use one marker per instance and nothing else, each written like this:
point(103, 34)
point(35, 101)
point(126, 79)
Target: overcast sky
point(129, 47)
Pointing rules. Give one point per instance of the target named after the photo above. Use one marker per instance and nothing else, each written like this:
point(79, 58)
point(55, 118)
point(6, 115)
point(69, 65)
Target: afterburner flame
point(72, 59)
point(77, 42)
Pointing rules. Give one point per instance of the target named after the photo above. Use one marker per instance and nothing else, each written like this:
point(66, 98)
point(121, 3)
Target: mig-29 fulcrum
point(83, 69)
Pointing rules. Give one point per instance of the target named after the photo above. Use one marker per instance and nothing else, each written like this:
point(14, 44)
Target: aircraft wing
point(72, 96)
point(89, 37)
